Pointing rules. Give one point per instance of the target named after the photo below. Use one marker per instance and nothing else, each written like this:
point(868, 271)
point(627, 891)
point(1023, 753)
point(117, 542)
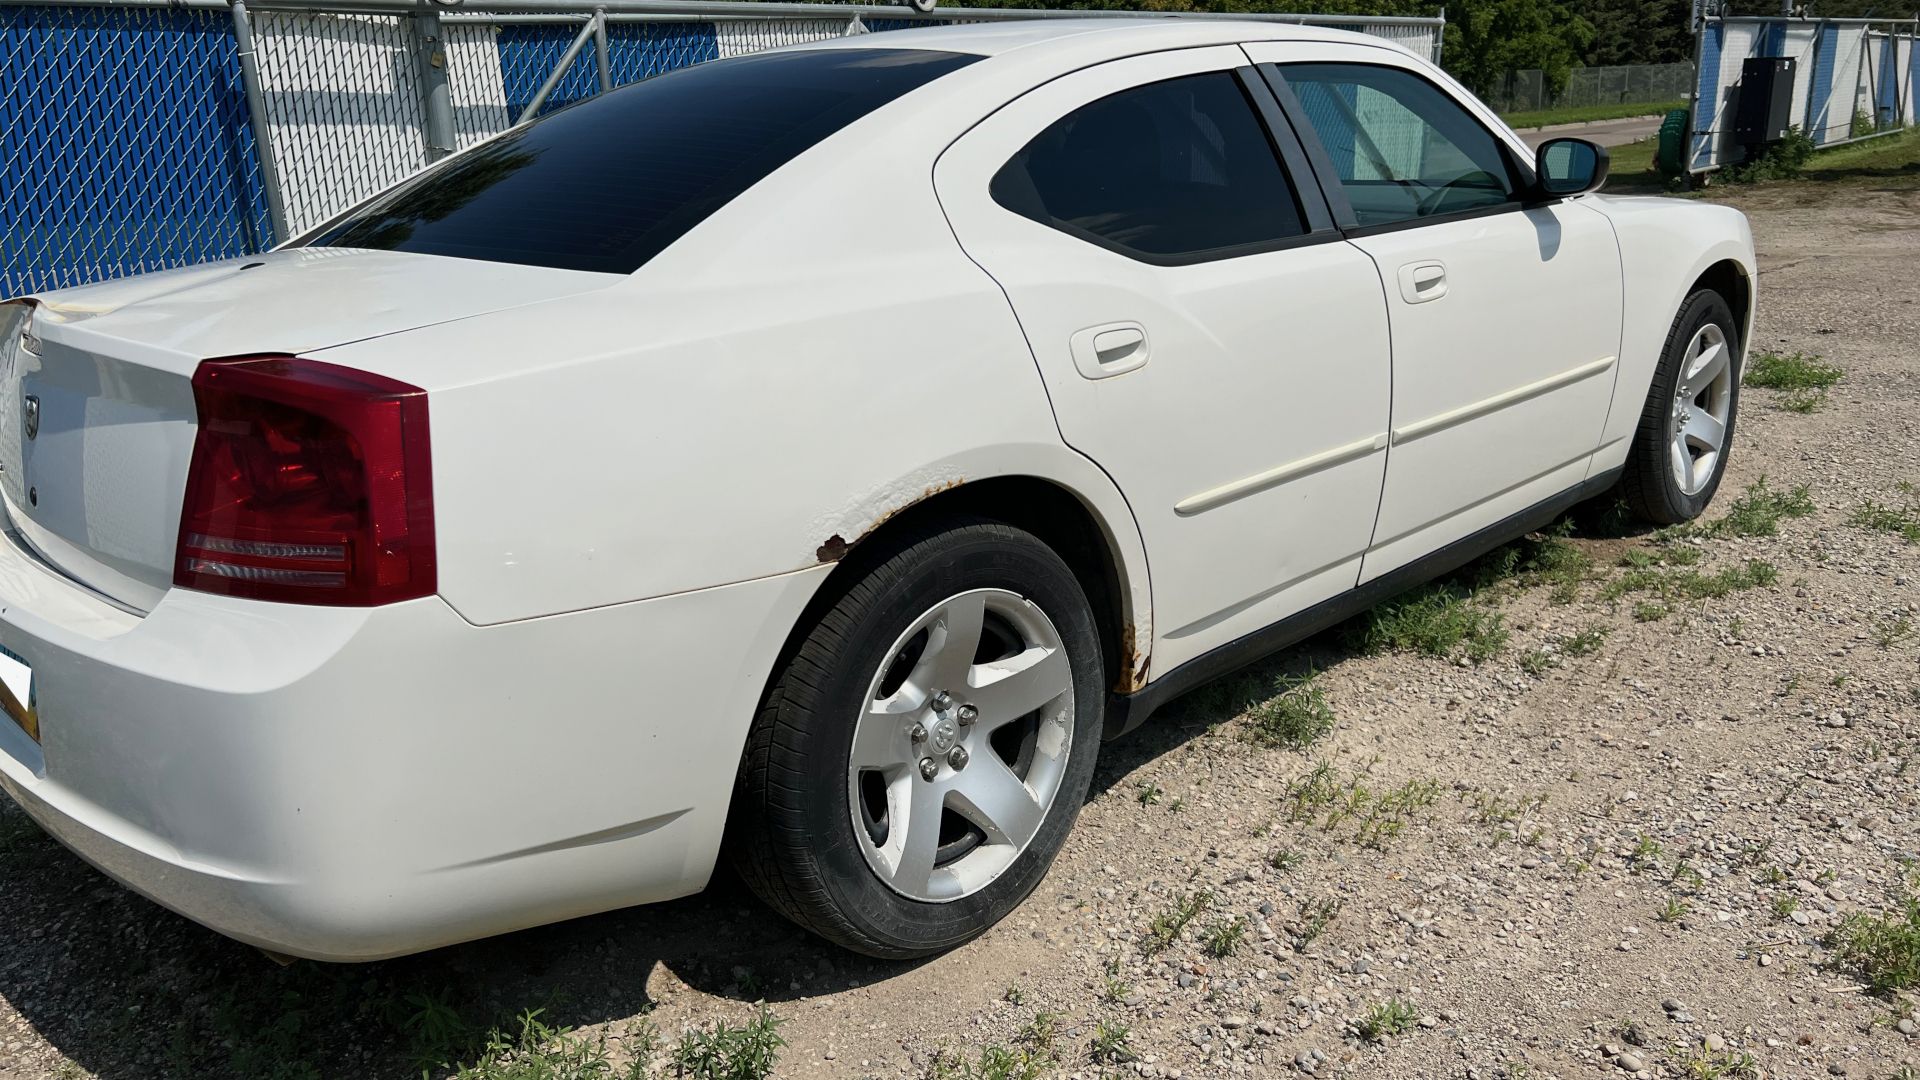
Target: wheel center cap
point(943, 735)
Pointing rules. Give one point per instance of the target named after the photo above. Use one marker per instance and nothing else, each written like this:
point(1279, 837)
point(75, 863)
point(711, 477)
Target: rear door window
point(606, 184)
point(1178, 170)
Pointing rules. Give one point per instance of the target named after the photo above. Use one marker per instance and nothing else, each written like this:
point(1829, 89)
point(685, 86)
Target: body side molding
point(1477, 409)
point(1280, 474)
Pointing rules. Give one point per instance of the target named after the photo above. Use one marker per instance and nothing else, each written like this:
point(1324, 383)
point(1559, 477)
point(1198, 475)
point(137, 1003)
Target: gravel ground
point(1595, 854)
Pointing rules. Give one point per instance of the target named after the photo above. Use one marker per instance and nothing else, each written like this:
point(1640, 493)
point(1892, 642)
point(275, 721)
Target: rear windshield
point(609, 183)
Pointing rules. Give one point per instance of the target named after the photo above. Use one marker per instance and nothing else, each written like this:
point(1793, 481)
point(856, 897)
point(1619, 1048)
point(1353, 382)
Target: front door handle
point(1421, 282)
point(1101, 352)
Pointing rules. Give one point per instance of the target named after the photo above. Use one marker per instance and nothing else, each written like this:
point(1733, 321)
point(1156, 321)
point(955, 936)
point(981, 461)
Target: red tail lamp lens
point(310, 483)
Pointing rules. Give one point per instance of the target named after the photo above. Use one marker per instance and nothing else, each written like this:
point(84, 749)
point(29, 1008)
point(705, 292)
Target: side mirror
point(1570, 167)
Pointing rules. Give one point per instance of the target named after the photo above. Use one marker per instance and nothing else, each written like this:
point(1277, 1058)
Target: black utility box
point(1766, 100)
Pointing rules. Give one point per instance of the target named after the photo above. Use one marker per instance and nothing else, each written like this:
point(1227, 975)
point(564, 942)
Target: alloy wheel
point(1702, 403)
point(962, 745)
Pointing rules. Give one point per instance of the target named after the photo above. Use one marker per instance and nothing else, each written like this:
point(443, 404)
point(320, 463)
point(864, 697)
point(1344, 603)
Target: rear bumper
point(349, 784)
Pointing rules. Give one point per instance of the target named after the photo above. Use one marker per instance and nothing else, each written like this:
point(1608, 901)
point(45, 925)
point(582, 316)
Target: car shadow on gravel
point(124, 988)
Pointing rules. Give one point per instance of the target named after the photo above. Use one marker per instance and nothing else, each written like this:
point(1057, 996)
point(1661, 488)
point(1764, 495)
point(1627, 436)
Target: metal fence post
point(257, 119)
point(436, 100)
point(560, 69)
point(600, 49)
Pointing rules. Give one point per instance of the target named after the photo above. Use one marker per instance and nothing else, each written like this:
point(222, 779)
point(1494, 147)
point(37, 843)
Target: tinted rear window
point(609, 183)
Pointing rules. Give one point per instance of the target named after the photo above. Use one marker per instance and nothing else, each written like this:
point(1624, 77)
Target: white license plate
point(16, 678)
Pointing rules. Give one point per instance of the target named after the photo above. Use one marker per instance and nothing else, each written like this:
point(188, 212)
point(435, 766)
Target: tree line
point(1488, 40)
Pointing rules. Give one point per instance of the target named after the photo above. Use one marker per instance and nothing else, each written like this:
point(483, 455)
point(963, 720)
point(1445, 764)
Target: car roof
point(1122, 34)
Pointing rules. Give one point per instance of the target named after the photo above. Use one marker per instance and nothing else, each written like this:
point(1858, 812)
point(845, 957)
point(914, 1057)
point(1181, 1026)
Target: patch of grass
point(1670, 585)
point(1879, 160)
point(1702, 1064)
point(994, 1063)
point(1009, 1063)
point(1791, 371)
point(540, 1052)
point(1115, 990)
point(1902, 520)
point(1757, 512)
point(1537, 661)
point(1581, 114)
point(1882, 951)
point(727, 1052)
point(1296, 716)
point(1586, 642)
point(1110, 1047)
point(1386, 1019)
point(1149, 793)
point(1488, 809)
point(1224, 937)
point(1438, 620)
point(1785, 905)
point(1166, 927)
point(1377, 815)
point(1649, 611)
point(1285, 859)
point(1672, 911)
point(1014, 995)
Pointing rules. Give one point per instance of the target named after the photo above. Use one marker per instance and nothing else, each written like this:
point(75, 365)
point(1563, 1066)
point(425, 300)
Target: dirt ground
point(1617, 844)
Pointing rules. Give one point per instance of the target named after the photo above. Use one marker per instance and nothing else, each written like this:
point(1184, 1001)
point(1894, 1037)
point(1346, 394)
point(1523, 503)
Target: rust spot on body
point(836, 546)
point(1133, 663)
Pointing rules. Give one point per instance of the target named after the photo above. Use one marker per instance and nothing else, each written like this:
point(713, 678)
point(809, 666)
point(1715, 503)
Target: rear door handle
point(1101, 352)
point(1421, 282)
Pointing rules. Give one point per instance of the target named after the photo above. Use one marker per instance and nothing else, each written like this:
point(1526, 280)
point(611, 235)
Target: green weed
point(727, 1052)
point(1791, 371)
point(1295, 718)
point(1386, 1019)
point(1882, 951)
point(1166, 927)
point(1224, 937)
point(1902, 520)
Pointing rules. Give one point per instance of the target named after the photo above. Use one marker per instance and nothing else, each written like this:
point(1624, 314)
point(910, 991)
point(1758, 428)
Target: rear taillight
point(310, 483)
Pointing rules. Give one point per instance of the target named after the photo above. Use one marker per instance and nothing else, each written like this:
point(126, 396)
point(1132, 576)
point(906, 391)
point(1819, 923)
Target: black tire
point(791, 833)
point(1647, 485)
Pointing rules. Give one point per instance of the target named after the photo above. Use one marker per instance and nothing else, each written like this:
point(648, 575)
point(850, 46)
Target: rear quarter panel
point(812, 359)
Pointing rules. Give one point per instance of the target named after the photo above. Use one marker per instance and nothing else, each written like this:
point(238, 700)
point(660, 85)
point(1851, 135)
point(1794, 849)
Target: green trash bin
point(1671, 155)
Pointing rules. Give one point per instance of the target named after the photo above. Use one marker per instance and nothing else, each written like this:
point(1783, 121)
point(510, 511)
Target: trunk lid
point(97, 416)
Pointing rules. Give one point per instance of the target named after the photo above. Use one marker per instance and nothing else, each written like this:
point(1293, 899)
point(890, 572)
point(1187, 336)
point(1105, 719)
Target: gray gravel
point(1595, 888)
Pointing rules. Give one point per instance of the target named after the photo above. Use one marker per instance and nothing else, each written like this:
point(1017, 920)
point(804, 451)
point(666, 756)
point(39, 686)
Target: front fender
point(1666, 246)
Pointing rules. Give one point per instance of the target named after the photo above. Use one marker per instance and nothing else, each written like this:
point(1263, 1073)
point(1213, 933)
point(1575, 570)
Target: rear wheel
point(919, 761)
point(1686, 428)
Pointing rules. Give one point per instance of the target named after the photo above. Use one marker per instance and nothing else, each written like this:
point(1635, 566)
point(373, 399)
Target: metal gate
point(1854, 79)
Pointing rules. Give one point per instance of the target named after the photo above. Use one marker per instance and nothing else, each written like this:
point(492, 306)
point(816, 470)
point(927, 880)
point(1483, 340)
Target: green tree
point(1489, 40)
point(1636, 31)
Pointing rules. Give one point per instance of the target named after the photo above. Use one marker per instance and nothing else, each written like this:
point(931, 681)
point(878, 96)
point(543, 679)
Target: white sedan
point(806, 458)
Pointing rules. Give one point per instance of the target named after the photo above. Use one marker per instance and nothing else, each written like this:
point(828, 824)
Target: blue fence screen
point(124, 145)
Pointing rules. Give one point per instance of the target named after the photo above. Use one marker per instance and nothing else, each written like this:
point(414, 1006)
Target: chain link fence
point(1630, 84)
point(124, 145)
point(137, 135)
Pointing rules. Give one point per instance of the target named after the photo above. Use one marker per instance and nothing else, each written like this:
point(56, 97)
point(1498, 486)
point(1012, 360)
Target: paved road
point(1606, 132)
